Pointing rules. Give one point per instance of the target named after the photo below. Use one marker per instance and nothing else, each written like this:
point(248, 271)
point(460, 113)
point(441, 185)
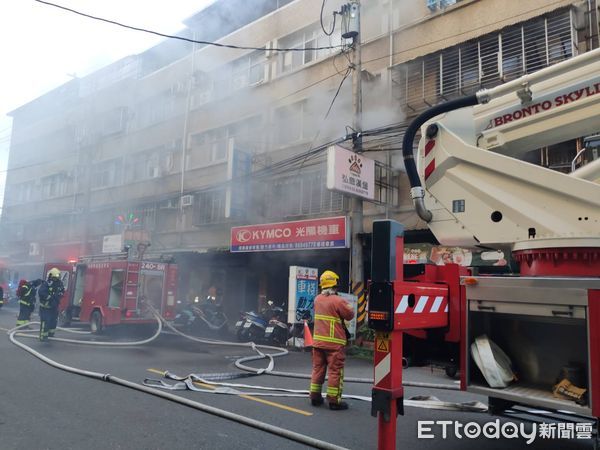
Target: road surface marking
point(247, 397)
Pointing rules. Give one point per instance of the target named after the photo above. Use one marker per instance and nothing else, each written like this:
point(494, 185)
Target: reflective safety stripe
point(329, 318)
point(333, 391)
point(332, 321)
point(315, 387)
point(318, 337)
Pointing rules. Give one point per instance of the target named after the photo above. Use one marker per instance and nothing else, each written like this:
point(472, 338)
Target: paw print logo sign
point(355, 164)
point(350, 173)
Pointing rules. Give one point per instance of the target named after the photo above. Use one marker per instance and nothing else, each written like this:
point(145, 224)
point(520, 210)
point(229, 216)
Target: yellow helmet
point(54, 273)
point(328, 279)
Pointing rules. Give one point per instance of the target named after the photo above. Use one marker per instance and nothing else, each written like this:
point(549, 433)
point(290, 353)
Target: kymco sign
point(299, 235)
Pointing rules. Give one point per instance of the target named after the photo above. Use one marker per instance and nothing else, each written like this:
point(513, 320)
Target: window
point(55, 185)
point(309, 37)
point(485, 62)
point(301, 195)
point(117, 279)
point(146, 165)
point(211, 146)
point(248, 70)
point(155, 110)
point(207, 147)
point(114, 121)
point(209, 208)
point(291, 123)
point(107, 173)
point(386, 184)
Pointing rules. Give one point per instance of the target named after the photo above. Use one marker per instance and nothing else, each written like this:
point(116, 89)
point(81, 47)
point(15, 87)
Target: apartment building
point(176, 145)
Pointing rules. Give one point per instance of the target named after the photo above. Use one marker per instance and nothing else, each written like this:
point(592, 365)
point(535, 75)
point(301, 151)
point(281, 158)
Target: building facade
point(178, 144)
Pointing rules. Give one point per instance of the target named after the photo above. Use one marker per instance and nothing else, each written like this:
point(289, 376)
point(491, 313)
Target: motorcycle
point(277, 331)
point(251, 327)
point(201, 317)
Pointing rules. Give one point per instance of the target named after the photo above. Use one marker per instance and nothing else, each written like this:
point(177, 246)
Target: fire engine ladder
point(132, 292)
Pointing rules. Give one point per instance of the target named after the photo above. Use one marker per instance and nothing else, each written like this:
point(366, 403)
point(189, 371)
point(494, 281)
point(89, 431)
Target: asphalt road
point(42, 407)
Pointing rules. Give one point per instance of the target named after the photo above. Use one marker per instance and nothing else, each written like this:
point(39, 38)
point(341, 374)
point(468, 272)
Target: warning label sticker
point(382, 343)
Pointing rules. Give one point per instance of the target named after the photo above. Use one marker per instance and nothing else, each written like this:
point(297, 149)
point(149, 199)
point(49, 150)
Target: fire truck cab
point(107, 290)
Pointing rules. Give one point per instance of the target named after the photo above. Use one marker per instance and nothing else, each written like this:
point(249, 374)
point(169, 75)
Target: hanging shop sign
point(303, 288)
point(311, 234)
point(350, 173)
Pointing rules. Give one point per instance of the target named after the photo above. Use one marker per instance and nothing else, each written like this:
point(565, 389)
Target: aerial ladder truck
point(471, 185)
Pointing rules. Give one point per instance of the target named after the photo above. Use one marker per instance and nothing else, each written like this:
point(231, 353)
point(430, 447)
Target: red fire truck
point(473, 188)
point(111, 289)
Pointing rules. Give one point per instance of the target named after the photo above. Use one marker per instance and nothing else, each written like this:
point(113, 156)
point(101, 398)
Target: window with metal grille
point(484, 62)
point(300, 195)
point(209, 207)
point(386, 184)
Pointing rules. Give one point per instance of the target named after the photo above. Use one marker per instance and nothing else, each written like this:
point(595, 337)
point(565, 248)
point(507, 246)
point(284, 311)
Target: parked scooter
point(201, 317)
point(251, 327)
point(277, 331)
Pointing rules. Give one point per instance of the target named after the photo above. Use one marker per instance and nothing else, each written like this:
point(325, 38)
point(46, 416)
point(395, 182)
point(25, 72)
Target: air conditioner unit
point(187, 200)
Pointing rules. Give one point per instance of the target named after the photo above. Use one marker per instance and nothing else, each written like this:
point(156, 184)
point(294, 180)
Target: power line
point(181, 38)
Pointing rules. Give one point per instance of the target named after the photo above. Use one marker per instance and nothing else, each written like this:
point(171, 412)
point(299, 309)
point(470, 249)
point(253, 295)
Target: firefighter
point(329, 340)
point(50, 292)
point(26, 294)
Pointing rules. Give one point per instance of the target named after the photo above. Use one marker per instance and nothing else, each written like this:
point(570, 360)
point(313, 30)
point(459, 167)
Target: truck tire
point(451, 370)
point(96, 323)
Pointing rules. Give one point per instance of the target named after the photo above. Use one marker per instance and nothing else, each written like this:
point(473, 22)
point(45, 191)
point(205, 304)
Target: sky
point(43, 46)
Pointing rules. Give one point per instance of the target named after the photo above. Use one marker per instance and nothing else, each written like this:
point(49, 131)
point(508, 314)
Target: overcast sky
point(43, 46)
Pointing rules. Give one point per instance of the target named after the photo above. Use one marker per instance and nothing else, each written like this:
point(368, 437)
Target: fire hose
point(285, 433)
point(150, 386)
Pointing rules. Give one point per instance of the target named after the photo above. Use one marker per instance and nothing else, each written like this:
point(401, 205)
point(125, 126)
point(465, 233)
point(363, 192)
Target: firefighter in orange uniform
point(329, 338)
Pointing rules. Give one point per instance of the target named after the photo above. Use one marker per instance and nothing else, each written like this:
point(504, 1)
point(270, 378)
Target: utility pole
point(356, 261)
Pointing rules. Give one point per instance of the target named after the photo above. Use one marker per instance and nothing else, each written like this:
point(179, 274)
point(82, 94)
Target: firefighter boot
point(338, 406)
point(316, 400)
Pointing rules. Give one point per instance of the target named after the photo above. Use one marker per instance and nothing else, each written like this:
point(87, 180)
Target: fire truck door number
point(383, 342)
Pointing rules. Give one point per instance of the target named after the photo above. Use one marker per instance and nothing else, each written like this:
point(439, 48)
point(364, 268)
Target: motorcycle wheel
point(241, 335)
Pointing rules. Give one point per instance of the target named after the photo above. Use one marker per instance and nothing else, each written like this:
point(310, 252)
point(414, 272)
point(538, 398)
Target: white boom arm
point(479, 192)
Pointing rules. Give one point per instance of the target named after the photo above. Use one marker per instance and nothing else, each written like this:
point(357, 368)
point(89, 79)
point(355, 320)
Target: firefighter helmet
point(54, 273)
point(328, 279)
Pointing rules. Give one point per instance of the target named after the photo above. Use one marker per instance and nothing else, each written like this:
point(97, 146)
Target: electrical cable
point(181, 38)
point(321, 19)
point(348, 72)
